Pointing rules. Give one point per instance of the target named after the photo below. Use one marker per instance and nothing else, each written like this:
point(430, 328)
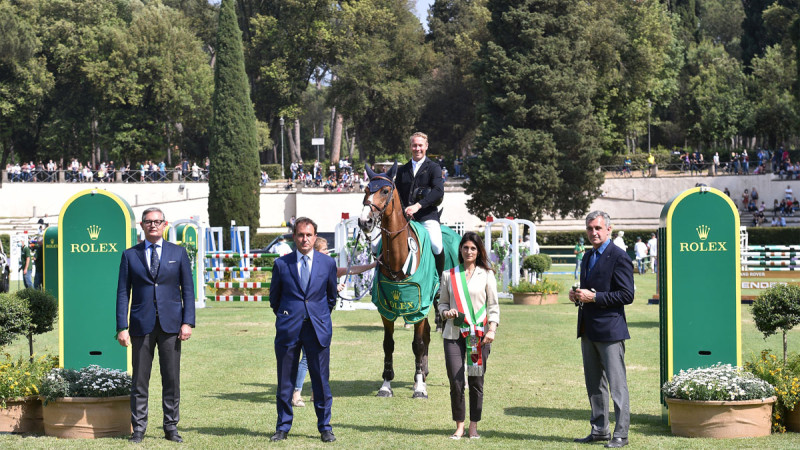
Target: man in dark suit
point(302, 295)
point(421, 188)
point(155, 279)
point(606, 287)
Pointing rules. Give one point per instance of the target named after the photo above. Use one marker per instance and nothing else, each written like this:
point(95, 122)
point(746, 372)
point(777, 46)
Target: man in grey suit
point(155, 280)
point(606, 287)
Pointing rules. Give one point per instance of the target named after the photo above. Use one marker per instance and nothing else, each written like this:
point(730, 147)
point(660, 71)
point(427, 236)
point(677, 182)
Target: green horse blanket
point(412, 297)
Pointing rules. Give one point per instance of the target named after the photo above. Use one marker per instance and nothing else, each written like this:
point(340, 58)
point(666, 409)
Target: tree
point(377, 79)
point(777, 308)
point(715, 96)
point(775, 110)
point(24, 79)
point(457, 31)
point(287, 42)
point(15, 318)
point(43, 309)
point(538, 140)
point(637, 60)
point(234, 172)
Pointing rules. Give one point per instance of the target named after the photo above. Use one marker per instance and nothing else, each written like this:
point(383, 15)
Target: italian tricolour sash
point(472, 323)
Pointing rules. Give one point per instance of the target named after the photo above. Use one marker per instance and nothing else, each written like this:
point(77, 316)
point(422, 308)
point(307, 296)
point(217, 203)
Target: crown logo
point(702, 232)
point(94, 232)
point(396, 295)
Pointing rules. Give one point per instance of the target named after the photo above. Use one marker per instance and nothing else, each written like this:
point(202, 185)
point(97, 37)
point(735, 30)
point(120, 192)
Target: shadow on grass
point(227, 431)
point(265, 393)
point(363, 328)
point(647, 424)
point(446, 432)
point(646, 324)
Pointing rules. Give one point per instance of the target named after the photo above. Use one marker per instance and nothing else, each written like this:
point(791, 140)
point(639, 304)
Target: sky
point(422, 11)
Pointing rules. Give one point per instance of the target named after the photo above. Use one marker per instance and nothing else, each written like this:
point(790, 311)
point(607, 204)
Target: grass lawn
point(534, 392)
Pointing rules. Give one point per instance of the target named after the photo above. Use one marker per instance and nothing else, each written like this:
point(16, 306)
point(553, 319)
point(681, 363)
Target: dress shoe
point(617, 443)
point(593, 438)
point(136, 437)
point(278, 436)
point(327, 436)
point(173, 436)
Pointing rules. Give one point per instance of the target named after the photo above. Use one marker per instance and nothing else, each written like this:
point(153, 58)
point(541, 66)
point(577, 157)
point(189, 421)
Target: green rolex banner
point(699, 288)
point(50, 260)
point(94, 228)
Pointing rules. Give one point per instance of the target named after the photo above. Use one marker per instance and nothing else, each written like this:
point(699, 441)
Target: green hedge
point(273, 170)
point(261, 240)
point(773, 236)
point(6, 239)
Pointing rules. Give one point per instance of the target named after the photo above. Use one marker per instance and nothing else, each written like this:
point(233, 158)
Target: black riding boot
point(439, 259)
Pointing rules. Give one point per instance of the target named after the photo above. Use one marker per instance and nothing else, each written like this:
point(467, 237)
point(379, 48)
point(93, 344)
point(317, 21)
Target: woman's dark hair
point(482, 260)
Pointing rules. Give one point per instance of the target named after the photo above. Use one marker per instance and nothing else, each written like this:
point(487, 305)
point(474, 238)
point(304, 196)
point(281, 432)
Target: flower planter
point(721, 419)
point(88, 417)
point(23, 415)
point(534, 298)
point(792, 421)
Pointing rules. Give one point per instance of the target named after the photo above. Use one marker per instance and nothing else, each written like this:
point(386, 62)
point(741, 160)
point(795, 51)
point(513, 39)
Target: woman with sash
point(468, 301)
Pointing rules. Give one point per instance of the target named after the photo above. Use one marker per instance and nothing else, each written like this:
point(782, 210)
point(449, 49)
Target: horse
point(405, 255)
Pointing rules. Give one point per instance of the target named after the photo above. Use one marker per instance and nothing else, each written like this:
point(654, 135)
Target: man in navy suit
point(155, 279)
point(302, 294)
point(606, 287)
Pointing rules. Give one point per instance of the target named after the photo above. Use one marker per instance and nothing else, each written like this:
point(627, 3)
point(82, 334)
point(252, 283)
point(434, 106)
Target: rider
point(421, 188)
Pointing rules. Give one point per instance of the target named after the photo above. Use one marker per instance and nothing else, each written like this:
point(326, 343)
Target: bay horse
point(403, 257)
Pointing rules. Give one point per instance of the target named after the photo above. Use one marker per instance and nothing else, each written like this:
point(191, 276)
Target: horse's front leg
point(422, 338)
point(388, 350)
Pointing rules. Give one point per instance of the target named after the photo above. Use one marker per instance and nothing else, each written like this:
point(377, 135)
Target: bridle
point(395, 274)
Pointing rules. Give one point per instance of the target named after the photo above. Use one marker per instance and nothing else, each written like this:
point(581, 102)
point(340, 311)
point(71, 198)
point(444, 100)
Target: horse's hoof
point(385, 394)
point(419, 395)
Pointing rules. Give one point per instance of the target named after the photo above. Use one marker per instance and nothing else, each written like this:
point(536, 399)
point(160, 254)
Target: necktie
point(304, 273)
point(154, 260)
point(592, 259)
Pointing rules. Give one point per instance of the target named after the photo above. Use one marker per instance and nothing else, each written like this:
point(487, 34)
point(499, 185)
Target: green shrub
point(43, 307)
point(273, 170)
point(539, 263)
point(784, 377)
point(544, 286)
point(15, 318)
point(6, 240)
point(777, 308)
point(261, 240)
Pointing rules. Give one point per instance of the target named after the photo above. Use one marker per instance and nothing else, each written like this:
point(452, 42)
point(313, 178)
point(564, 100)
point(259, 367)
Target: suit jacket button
point(156, 284)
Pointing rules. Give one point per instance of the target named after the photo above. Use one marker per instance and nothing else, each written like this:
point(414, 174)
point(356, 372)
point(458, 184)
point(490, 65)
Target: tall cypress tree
point(538, 139)
point(233, 152)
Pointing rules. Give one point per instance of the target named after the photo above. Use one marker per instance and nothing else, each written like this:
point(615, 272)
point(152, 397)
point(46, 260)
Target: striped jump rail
point(238, 285)
point(772, 269)
point(239, 255)
point(782, 248)
point(771, 254)
point(771, 263)
point(238, 269)
point(241, 298)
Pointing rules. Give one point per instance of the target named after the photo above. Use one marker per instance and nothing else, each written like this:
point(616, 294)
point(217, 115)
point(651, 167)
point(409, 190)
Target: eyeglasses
point(152, 222)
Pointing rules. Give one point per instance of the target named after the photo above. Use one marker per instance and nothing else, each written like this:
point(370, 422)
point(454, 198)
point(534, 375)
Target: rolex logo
point(94, 232)
point(396, 295)
point(702, 232)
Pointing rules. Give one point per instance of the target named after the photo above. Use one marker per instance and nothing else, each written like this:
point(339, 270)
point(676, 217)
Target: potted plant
point(785, 377)
point(543, 292)
point(721, 401)
point(777, 308)
point(88, 403)
point(537, 264)
point(20, 407)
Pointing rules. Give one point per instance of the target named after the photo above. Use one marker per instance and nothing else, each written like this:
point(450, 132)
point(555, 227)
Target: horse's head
point(377, 196)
